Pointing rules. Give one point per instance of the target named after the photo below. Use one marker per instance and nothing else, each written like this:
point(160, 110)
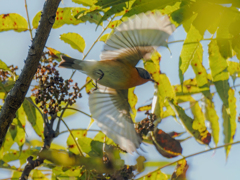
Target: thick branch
point(17, 94)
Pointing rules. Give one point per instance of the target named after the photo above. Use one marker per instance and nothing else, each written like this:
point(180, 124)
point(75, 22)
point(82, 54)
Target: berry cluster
point(146, 125)
point(4, 75)
point(53, 89)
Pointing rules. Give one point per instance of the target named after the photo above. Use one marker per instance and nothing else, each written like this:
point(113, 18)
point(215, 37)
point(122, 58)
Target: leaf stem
point(79, 149)
point(80, 130)
point(29, 25)
point(228, 144)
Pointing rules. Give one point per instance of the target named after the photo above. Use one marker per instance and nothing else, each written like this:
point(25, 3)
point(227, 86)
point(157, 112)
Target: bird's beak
point(152, 80)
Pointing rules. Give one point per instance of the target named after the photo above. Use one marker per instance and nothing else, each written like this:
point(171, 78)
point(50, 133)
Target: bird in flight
point(115, 73)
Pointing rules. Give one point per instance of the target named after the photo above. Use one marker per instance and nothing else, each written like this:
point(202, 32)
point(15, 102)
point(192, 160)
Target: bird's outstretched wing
point(137, 36)
point(111, 110)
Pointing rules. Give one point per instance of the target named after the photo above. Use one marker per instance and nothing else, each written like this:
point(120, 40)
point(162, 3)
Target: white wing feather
point(110, 108)
point(136, 37)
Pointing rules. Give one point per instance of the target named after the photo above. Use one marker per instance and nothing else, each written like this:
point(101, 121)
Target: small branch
point(79, 149)
point(228, 144)
point(17, 94)
point(79, 111)
point(80, 130)
point(207, 39)
point(29, 25)
point(31, 164)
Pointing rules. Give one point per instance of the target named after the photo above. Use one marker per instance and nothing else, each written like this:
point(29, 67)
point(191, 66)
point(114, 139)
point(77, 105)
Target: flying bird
point(115, 73)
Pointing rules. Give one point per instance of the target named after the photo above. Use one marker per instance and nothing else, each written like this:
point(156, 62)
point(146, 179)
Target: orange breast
point(135, 79)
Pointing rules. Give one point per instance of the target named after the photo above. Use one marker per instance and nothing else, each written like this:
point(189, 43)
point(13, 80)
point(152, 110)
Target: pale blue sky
point(13, 50)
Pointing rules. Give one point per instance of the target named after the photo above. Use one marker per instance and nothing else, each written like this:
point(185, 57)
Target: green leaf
point(85, 144)
point(190, 46)
point(218, 66)
point(183, 15)
point(89, 3)
point(200, 133)
point(112, 11)
point(205, 10)
point(13, 21)
point(34, 117)
point(212, 117)
point(63, 16)
point(89, 15)
point(201, 73)
point(225, 48)
point(108, 3)
point(74, 40)
point(236, 45)
point(155, 175)
point(229, 15)
point(148, 5)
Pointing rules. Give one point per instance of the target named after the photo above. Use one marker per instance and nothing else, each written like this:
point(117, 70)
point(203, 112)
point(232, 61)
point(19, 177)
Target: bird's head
point(144, 74)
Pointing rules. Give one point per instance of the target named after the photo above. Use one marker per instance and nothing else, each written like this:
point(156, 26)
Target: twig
point(80, 130)
point(79, 149)
point(228, 144)
point(80, 111)
point(29, 25)
point(206, 39)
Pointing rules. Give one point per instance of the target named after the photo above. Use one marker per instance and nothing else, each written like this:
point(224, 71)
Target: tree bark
point(17, 94)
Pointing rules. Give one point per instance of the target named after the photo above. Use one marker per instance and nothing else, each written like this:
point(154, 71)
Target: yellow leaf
point(13, 21)
point(91, 85)
point(212, 117)
point(132, 99)
point(74, 40)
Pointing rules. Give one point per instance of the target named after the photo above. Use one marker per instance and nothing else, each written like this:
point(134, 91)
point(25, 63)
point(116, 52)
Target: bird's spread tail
point(68, 62)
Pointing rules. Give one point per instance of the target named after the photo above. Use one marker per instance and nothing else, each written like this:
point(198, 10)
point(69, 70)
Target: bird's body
point(116, 73)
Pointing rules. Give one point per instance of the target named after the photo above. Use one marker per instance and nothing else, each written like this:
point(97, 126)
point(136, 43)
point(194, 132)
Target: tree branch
point(17, 94)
